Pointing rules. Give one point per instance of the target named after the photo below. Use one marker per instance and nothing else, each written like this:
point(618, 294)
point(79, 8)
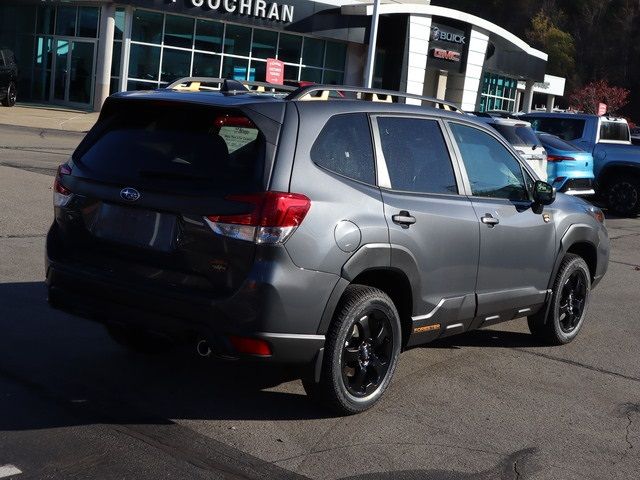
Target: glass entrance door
point(73, 67)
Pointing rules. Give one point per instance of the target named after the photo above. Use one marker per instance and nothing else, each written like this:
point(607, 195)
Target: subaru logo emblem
point(129, 194)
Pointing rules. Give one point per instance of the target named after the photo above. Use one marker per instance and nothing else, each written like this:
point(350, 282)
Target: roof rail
point(368, 94)
point(197, 84)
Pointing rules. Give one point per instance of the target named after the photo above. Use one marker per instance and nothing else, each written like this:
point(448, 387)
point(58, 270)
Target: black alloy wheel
point(623, 195)
point(572, 301)
point(559, 322)
point(367, 354)
point(361, 351)
point(10, 99)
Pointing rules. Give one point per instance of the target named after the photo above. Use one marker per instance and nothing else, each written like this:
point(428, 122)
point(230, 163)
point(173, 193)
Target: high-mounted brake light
point(61, 194)
point(234, 121)
point(272, 220)
point(559, 158)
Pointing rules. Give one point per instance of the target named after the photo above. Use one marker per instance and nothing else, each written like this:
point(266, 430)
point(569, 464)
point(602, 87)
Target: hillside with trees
point(587, 40)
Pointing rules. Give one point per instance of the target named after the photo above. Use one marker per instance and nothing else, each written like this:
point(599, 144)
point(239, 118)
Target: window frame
point(383, 178)
point(467, 183)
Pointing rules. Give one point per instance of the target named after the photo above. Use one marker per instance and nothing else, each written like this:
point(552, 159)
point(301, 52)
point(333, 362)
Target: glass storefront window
point(45, 20)
point(66, 21)
point(291, 72)
point(336, 55)
point(175, 64)
point(133, 85)
point(178, 31)
point(117, 57)
point(333, 78)
point(88, 21)
point(290, 47)
point(206, 65)
point(144, 62)
point(259, 70)
point(236, 68)
point(264, 44)
point(498, 93)
point(237, 40)
point(313, 52)
point(209, 36)
point(147, 27)
point(119, 28)
point(311, 75)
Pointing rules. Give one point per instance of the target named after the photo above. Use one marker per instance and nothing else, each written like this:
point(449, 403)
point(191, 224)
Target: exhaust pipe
point(203, 348)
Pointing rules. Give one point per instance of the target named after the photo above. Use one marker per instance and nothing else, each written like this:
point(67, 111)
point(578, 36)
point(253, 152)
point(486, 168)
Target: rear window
point(517, 134)
point(556, 143)
point(566, 128)
point(618, 131)
point(176, 145)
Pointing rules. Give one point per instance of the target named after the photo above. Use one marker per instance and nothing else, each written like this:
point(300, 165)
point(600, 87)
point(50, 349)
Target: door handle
point(404, 218)
point(490, 220)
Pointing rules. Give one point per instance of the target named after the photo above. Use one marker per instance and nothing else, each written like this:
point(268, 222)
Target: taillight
point(61, 194)
point(559, 158)
point(272, 220)
point(234, 121)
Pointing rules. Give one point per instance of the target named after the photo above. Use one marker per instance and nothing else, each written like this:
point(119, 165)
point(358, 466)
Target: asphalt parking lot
point(485, 405)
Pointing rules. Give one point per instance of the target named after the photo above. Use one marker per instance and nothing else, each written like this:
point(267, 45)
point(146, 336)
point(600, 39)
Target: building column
point(441, 89)
point(354, 65)
point(516, 108)
point(528, 96)
point(464, 88)
point(417, 46)
point(105, 55)
point(551, 101)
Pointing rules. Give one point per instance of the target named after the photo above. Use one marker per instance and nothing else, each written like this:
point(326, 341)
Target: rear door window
point(177, 146)
point(566, 128)
point(416, 155)
point(553, 142)
point(344, 147)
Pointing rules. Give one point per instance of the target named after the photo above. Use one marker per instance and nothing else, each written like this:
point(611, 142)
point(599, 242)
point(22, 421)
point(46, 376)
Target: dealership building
point(76, 52)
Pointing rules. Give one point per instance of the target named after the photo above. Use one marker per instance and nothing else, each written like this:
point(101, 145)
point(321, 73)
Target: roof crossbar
point(367, 94)
point(196, 84)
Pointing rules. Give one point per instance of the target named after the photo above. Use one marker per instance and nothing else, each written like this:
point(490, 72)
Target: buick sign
point(443, 36)
point(129, 194)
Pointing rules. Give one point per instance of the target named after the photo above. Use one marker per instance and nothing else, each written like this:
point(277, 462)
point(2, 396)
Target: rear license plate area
point(136, 227)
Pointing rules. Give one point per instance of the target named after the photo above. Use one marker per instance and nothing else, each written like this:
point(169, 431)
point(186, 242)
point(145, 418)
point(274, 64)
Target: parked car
point(8, 78)
point(569, 168)
point(330, 234)
point(616, 161)
point(520, 134)
point(497, 114)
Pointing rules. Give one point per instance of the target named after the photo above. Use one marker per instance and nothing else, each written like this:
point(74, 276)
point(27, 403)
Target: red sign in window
point(275, 71)
point(602, 108)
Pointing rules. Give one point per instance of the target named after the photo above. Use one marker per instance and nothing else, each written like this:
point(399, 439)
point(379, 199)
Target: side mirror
point(543, 193)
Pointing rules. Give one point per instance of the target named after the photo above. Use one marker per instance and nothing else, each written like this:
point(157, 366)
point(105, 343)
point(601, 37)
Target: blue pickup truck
point(616, 161)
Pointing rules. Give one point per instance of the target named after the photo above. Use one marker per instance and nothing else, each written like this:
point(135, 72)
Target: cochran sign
point(275, 71)
point(254, 8)
point(446, 54)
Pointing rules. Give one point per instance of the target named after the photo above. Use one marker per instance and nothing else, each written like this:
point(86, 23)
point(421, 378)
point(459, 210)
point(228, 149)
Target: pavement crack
point(629, 410)
point(515, 469)
point(27, 235)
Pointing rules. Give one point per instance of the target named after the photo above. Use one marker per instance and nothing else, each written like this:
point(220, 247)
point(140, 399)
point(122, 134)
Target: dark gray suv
point(327, 232)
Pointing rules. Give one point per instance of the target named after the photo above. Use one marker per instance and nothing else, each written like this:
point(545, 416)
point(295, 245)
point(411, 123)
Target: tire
point(569, 303)
point(623, 195)
point(10, 98)
point(361, 351)
point(139, 341)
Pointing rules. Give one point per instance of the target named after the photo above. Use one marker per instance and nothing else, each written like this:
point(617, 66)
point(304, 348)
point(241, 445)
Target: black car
point(8, 78)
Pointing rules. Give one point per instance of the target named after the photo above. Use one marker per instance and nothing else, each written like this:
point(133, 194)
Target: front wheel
point(569, 302)
point(10, 99)
point(361, 351)
point(623, 195)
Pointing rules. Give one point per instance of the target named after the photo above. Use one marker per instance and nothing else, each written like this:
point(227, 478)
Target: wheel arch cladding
point(581, 240)
point(612, 169)
point(589, 254)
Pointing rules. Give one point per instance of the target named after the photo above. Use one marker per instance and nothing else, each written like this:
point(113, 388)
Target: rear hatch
point(142, 183)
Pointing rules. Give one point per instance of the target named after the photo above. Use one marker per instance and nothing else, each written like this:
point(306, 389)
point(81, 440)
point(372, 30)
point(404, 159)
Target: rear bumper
point(279, 303)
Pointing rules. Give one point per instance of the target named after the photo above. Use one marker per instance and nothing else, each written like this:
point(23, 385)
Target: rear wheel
point(361, 351)
point(623, 195)
point(139, 340)
point(569, 302)
point(10, 99)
